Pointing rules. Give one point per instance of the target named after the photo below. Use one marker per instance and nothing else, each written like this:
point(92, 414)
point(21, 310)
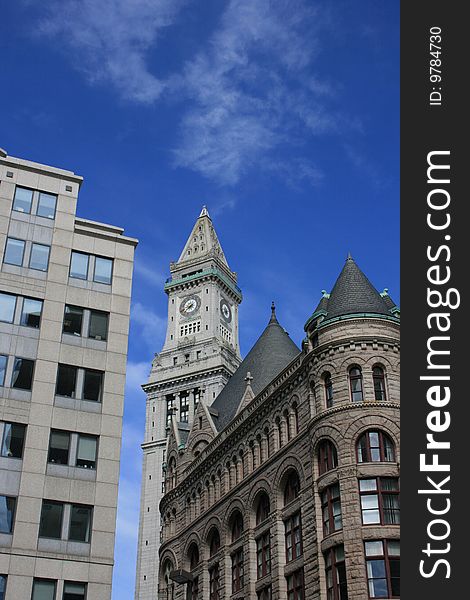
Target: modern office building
point(65, 286)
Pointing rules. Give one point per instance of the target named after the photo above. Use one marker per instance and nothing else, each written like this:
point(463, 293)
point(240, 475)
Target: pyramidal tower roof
point(203, 242)
point(273, 351)
point(353, 293)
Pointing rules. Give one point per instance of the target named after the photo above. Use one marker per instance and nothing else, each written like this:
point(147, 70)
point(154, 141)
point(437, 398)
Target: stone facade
point(62, 386)
point(299, 490)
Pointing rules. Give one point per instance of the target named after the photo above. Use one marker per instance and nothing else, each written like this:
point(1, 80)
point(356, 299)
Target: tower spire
point(273, 318)
point(203, 242)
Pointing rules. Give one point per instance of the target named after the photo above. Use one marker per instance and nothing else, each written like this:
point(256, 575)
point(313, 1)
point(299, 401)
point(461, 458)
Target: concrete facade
point(304, 447)
point(200, 353)
point(78, 478)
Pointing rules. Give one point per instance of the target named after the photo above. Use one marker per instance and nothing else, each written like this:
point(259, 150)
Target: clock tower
point(200, 353)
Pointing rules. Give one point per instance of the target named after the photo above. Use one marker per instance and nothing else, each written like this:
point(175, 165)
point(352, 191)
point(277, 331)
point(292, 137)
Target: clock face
point(225, 310)
point(190, 305)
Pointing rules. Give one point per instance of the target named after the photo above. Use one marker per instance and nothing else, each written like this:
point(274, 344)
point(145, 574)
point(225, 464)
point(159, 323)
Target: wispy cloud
point(150, 276)
point(252, 90)
point(110, 40)
point(152, 326)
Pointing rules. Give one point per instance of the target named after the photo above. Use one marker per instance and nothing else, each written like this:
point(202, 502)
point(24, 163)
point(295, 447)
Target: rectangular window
point(93, 385)
point(86, 451)
point(263, 555)
point(331, 509)
point(80, 523)
point(214, 576)
point(22, 377)
point(44, 589)
point(13, 440)
point(3, 586)
point(335, 570)
point(295, 585)
point(3, 368)
point(380, 501)
point(184, 408)
point(103, 270)
point(14, 252)
point(7, 513)
point(31, 313)
point(169, 407)
point(73, 320)
point(59, 445)
point(98, 325)
point(237, 571)
point(66, 381)
point(50, 525)
point(46, 205)
point(293, 537)
point(74, 591)
point(23, 200)
point(7, 307)
point(79, 265)
point(39, 259)
point(383, 568)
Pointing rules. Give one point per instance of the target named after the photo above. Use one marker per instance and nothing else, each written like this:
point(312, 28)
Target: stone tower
point(200, 353)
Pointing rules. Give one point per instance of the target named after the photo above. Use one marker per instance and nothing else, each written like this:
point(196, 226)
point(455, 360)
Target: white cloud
point(152, 326)
point(251, 91)
point(136, 374)
point(148, 274)
point(110, 40)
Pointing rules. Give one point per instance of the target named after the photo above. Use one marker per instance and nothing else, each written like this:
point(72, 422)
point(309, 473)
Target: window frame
point(214, 581)
point(42, 579)
point(20, 264)
point(354, 378)
point(75, 370)
point(328, 502)
point(68, 307)
point(238, 570)
point(36, 244)
point(4, 433)
point(329, 391)
point(335, 591)
point(12, 512)
point(73, 252)
point(380, 492)
point(83, 583)
point(298, 584)
point(379, 378)
point(4, 370)
point(22, 315)
point(23, 212)
point(15, 304)
point(39, 205)
point(384, 439)
point(95, 313)
point(29, 360)
point(263, 554)
point(327, 455)
point(107, 258)
point(45, 501)
point(386, 558)
point(291, 528)
point(78, 506)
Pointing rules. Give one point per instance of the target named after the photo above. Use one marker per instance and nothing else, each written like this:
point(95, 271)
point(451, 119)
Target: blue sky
point(282, 116)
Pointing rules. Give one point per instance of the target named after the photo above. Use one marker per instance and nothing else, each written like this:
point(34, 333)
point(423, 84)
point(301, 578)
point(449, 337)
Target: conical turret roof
point(273, 351)
point(353, 293)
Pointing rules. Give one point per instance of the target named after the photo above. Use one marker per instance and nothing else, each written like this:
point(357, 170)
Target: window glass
point(43, 590)
point(103, 270)
point(31, 313)
point(79, 265)
point(23, 200)
point(13, 440)
point(50, 525)
point(46, 205)
point(7, 511)
point(92, 385)
point(14, 252)
point(7, 307)
point(86, 453)
point(74, 591)
point(59, 445)
point(22, 377)
point(80, 523)
point(3, 368)
point(73, 319)
point(66, 381)
point(98, 325)
point(39, 258)
point(3, 585)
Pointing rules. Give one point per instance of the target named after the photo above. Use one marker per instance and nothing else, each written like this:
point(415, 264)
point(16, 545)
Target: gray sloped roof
point(353, 293)
point(273, 351)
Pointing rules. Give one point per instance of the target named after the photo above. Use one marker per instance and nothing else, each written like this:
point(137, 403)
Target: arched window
point(379, 383)
point(168, 585)
point(263, 508)
point(214, 542)
point(295, 410)
point(375, 446)
point(292, 487)
point(237, 526)
point(193, 555)
point(327, 457)
point(328, 390)
point(355, 382)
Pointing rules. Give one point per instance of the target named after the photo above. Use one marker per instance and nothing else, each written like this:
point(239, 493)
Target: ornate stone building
point(286, 486)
